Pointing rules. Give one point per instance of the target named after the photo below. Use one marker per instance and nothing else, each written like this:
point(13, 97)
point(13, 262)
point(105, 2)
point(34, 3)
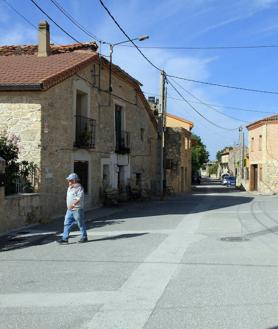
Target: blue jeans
point(74, 217)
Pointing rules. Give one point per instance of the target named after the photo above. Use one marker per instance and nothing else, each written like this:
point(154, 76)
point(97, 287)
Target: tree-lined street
point(206, 259)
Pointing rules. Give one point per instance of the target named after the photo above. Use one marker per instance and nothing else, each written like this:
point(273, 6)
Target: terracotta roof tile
point(273, 118)
point(19, 50)
point(32, 70)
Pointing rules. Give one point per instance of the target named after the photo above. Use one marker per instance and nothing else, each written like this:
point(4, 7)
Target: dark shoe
point(82, 240)
point(63, 241)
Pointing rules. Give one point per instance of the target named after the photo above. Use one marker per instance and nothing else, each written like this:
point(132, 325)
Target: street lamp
point(111, 48)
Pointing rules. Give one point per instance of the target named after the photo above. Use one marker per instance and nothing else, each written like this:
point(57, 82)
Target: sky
point(176, 23)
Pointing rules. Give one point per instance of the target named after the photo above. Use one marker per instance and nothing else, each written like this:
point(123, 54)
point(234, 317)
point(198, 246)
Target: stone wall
point(268, 177)
point(18, 210)
point(263, 153)
point(21, 115)
point(257, 153)
point(45, 121)
point(178, 159)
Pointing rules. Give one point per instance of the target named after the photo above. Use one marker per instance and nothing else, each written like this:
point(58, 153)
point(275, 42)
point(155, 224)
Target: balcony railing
point(122, 142)
point(85, 132)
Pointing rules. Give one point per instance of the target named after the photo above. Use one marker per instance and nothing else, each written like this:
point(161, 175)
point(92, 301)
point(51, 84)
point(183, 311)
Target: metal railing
point(85, 132)
point(122, 142)
point(26, 180)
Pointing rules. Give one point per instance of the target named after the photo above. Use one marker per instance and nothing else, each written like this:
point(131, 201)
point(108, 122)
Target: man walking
point(75, 210)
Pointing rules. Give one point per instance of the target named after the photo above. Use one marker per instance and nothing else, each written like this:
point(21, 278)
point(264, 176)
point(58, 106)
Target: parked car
point(224, 178)
point(231, 181)
point(196, 178)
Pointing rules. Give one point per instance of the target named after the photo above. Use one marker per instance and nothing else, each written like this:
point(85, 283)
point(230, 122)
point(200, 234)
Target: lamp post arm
point(111, 48)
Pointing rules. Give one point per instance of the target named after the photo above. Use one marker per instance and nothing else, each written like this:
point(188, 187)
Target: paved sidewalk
point(45, 233)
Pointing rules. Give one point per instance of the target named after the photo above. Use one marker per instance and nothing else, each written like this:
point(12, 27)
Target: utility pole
point(241, 150)
point(161, 127)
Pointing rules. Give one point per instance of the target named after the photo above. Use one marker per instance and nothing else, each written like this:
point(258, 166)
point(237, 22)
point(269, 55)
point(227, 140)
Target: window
point(81, 168)
point(168, 164)
point(186, 143)
point(252, 144)
point(142, 133)
point(260, 142)
point(81, 103)
point(85, 127)
point(122, 142)
point(105, 176)
point(138, 179)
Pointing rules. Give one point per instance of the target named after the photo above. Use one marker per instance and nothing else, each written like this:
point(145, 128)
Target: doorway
point(254, 178)
point(81, 168)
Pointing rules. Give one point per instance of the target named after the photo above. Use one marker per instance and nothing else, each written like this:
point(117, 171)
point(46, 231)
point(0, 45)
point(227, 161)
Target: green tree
point(218, 154)
point(200, 155)
point(213, 169)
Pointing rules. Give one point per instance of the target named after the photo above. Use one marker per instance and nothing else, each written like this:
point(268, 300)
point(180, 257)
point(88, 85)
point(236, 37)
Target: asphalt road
point(203, 260)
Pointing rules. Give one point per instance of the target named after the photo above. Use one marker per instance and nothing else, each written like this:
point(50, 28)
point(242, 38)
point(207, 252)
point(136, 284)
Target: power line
point(207, 105)
point(18, 13)
point(214, 105)
point(114, 20)
point(195, 110)
point(182, 78)
point(223, 86)
point(206, 48)
point(52, 20)
point(73, 20)
point(23, 17)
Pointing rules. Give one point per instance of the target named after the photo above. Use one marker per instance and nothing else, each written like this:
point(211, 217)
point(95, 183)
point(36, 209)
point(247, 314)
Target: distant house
point(263, 155)
point(177, 150)
point(205, 170)
point(224, 162)
point(177, 153)
point(230, 163)
point(59, 101)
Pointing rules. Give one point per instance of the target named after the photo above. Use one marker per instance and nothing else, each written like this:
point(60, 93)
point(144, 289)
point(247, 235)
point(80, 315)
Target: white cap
point(72, 176)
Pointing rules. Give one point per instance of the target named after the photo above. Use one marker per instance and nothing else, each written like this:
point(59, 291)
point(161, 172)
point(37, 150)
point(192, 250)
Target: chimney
point(44, 39)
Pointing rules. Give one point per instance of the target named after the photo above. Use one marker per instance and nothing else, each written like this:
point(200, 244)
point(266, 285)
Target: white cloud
point(18, 34)
point(264, 3)
point(193, 68)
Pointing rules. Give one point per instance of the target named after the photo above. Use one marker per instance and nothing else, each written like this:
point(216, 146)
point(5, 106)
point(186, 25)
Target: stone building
point(234, 159)
point(177, 153)
point(177, 164)
point(263, 155)
point(224, 162)
point(73, 114)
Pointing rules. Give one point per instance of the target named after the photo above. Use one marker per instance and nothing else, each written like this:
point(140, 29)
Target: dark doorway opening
point(81, 168)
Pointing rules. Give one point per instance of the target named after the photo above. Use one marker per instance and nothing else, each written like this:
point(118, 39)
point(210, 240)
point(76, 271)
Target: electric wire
point(214, 105)
point(108, 92)
point(52, 20)
point(18, 13)
point(195, 110)
point(76, 74)
point(206, 104)
point(177, 77)
point(169, 75)
point(73, 20)
point(127, 36)
point(24, 18)
point(206, 48)
point(223, 85)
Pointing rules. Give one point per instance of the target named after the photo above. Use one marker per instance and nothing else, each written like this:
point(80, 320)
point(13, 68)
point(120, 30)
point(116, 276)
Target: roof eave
point(21, 87)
